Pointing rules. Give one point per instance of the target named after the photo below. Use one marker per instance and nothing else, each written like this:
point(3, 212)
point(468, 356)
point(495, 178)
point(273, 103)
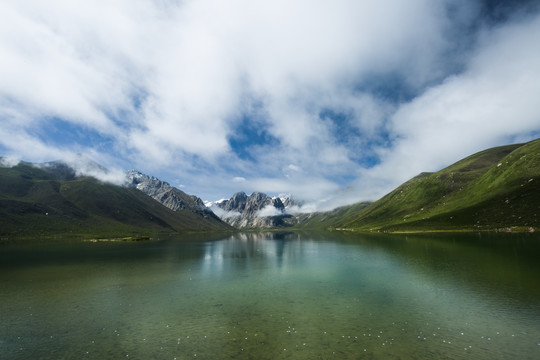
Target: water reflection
point(274, 295)
point(250, 247)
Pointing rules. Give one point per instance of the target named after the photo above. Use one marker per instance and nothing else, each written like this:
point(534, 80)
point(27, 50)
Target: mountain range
point(161, 191)
point(496, 189)
point(257, 210)
point(51, 199)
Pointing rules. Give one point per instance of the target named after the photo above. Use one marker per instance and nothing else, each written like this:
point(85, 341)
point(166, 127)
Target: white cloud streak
point(223, 214)
point(269, 210)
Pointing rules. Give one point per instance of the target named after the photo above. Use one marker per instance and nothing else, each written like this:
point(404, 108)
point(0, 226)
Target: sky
point(331, 101)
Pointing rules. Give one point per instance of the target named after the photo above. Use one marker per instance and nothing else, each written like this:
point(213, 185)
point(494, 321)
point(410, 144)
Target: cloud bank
point(336, 101)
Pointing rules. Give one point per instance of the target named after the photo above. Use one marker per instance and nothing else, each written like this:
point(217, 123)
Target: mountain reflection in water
point(273, 296)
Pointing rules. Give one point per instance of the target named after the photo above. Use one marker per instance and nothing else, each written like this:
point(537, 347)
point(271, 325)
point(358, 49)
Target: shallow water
point(273, 296)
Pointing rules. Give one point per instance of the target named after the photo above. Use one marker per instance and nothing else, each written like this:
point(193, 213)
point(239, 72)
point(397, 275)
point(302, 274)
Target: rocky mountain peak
point(148, 184)
point(288, 201)
point(236, 203)
point(173, 198)
point(255, 210)
point(255, 202)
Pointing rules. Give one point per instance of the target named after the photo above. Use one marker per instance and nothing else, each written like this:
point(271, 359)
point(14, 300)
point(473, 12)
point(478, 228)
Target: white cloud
point(48, 73)
point(8, 161)
point(223, 214)
point(294, 168)
point(305, 187)
point(194, 60)
point(27, 147)
point(490, 103)
point(269, 210)
point(169, 81)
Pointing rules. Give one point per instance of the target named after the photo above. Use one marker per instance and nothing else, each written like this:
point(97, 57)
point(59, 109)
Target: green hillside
point(34, 203)
point(493, 189)
point(324, 220)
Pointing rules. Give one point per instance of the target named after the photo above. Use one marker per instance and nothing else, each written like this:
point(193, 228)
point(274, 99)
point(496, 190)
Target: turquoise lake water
point(273, 296)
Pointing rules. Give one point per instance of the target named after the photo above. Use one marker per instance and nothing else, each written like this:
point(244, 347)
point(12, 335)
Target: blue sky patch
point(249, 134)
point(67, 134)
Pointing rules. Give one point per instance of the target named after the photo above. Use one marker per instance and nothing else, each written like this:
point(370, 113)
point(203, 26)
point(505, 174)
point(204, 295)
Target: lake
point(273, 296)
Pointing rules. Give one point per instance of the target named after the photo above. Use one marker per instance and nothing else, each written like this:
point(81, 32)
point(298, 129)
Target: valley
point(497, 189)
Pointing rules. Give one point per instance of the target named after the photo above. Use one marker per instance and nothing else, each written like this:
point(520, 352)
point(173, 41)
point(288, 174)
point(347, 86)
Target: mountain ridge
point(37, 201)
point(161, 191)
point(257, 210)
point(494, 189)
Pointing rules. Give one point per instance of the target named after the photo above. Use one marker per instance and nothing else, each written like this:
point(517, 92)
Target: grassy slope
point(324, 220)
point(495, 188)
point(33, 203)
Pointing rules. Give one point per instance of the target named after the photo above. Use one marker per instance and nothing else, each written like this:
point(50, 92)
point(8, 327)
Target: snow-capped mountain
point(173, 198)
point(253, 204)
point(257, 210)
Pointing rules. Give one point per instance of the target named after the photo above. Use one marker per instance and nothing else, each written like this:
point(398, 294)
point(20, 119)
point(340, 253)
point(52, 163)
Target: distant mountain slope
point(326, 219)
point(495, 188)
point(39, 201)
point(173, 198)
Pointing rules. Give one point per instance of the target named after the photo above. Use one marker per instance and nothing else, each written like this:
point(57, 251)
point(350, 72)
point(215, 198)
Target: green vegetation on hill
point(498, 188)
point(324, 220)
point(34, 203)
point(493, 189)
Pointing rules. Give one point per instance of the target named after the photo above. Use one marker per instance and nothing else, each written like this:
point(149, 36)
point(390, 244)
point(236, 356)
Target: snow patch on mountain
point(209, 204)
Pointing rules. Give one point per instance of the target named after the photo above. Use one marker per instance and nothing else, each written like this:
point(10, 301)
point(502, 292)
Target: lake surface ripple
point(273, 296)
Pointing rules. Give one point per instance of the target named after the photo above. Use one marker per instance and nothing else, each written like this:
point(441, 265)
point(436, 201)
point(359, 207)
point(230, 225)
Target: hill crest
point(498, 188)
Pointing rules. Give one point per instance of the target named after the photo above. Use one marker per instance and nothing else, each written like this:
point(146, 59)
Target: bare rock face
point(257, 210)
point(173, 198)
point(236, 203)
